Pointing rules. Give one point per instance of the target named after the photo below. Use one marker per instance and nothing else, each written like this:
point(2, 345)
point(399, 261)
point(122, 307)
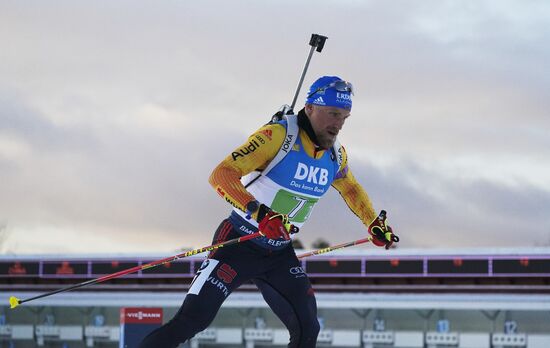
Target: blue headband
point(330, 91)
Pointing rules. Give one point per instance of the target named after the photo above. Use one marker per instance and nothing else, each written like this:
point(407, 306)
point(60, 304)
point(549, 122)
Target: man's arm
point(353, 193)
point(359, 202)
point(255, 154)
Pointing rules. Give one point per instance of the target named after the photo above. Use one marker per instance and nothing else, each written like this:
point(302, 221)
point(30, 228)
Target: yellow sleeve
point(353, 193)
point(255, 154)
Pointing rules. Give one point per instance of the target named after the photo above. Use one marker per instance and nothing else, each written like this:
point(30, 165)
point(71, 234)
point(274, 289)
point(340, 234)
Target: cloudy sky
point(114, 113)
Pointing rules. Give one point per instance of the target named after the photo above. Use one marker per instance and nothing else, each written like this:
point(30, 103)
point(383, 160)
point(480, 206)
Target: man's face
point(326, 121)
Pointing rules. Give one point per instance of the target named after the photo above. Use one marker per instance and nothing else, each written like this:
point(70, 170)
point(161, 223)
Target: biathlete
point(273, 181)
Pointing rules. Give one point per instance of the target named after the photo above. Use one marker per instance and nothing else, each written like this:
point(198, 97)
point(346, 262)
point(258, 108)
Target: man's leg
point(288, 292)
point(214, 281)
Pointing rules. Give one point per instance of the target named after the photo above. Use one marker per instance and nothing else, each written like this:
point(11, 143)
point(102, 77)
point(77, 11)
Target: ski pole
point(378, 223)
point(14, 301)
point(316, 42)
point(336, 247)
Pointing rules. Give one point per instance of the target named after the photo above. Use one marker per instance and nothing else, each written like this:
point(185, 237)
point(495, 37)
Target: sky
point(114, 113)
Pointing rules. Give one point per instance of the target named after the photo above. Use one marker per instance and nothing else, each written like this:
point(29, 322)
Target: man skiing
point(273, 181)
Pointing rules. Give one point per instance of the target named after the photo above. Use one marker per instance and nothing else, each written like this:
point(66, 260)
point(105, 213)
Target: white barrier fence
point(250, 337)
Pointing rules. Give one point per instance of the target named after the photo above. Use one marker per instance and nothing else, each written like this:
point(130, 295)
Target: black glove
point(382, 234)
point(271, 224)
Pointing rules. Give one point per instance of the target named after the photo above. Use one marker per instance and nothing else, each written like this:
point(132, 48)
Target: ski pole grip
point(318, 41)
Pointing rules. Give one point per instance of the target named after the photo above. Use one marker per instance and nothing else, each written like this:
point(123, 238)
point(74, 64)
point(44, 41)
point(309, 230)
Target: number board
point(65, 268)
point(458, 266)
point(176, 267)
point(394, 266)
point(103, 268)
point(334, 266)
point(19, 269)
point(521, 266)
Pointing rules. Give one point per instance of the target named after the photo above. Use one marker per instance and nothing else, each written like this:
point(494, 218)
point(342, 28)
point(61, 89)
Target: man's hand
point(381, 232)
point(274, 225)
